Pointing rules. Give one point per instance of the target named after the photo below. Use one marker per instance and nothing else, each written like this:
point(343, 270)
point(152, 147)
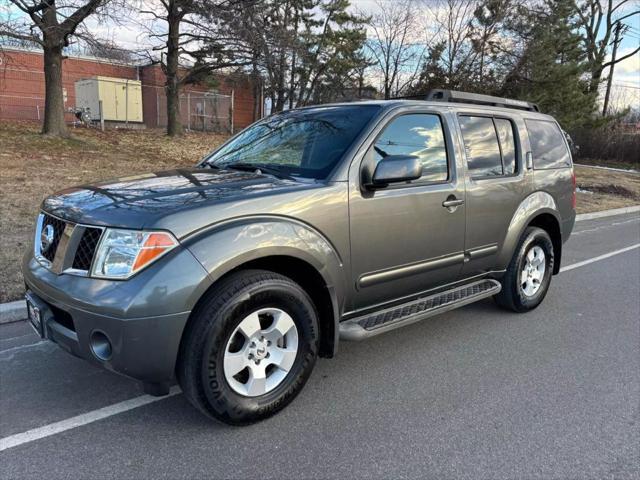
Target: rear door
point(403, 239)
point(552, 165)
point(495, 183)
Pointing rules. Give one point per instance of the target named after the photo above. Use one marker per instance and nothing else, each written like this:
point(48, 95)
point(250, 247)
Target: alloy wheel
point(533, 271)
point(260, 352)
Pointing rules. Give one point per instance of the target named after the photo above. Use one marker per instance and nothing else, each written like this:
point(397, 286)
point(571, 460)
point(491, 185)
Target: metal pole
point(189, 110)
point(38, 109)
point(232, 96)
point(157, 109)
point(101, 115)
point(261, 98)
point(204, 114)
point(126, 99)
point(616, 41)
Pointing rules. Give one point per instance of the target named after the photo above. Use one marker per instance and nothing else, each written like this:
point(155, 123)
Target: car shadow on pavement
point(61, 386)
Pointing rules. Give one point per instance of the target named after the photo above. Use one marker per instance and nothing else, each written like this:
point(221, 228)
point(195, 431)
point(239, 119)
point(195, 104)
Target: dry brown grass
point(607, 189)
point(32, 167)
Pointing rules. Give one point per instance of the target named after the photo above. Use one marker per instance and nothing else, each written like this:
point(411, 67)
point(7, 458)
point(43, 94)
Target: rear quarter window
point(547, 145)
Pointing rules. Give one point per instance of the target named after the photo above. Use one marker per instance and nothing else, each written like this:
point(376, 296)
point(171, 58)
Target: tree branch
point(618, 60)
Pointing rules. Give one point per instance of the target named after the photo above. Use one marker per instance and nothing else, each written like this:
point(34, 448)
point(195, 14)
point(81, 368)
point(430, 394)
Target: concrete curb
point(612, 169)
point(15, 311)
point(607, 213)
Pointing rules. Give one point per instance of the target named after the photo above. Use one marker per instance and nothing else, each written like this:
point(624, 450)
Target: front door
point(403, 239)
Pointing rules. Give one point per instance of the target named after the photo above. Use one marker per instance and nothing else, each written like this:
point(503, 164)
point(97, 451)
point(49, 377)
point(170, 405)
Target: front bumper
point(143, 317)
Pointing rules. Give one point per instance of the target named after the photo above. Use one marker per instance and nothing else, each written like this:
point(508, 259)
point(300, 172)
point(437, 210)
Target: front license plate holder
point(37, 313)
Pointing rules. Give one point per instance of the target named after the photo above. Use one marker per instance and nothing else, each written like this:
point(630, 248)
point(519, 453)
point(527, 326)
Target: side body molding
point(227, 245)
point(533, 205)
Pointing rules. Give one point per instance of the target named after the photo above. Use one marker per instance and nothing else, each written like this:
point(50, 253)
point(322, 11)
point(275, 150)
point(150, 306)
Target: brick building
point(22, 90)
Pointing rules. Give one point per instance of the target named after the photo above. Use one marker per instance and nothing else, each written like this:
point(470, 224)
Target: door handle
point(452, 202)
point(529, 160)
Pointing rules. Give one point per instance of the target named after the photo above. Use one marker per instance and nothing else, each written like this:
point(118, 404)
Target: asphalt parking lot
point(474, 393)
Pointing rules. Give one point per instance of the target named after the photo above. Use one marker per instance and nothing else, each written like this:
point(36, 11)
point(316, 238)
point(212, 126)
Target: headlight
point(122, 253)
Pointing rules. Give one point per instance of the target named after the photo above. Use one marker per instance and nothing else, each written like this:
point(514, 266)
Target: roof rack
point(454, 96)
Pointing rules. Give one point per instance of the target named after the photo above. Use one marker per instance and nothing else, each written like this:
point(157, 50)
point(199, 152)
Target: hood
point(139, 201)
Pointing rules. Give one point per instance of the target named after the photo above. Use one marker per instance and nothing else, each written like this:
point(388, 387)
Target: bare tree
point(51, 24)
point(306, 50)
point(108, 49)
point(599, 20)
point(454, 22)
point(393, 44)
point(488, 37)
point(192, 45)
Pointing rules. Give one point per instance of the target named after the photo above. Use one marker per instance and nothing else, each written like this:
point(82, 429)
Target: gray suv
point(320, 224)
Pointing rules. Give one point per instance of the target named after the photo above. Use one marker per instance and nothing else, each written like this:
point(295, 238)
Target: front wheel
point(527, 279)
point(249, 348)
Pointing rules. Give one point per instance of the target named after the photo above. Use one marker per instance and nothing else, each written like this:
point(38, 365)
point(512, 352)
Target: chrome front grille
point(65, 247)
point(86, 248)
point(56, 227)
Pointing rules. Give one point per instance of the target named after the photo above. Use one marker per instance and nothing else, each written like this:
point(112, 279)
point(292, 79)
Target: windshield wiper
point(255, 167)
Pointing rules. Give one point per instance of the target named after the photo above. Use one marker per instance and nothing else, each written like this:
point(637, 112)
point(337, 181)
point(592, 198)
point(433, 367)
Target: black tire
point(200, 363)
point(512, 296)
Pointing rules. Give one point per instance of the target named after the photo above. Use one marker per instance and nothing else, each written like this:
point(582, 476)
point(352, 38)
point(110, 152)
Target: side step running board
point(382, 321)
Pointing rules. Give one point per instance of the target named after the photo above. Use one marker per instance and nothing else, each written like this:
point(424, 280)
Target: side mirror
point(396, 169)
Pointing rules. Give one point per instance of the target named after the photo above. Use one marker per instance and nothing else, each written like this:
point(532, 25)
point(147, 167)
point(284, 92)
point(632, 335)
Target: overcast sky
point(129, 34)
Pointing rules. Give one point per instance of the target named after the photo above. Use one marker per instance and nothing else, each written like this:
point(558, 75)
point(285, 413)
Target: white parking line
point(18, 348)
point(626, 221)
point(598, 258)
point(603, 227)
point(30, 334)
point(117, 408)
point(80, 420)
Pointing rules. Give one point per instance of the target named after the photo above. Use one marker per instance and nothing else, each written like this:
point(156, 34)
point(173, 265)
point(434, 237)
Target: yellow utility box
point(121, 98)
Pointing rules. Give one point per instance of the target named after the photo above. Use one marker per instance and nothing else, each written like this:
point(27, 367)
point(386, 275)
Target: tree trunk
point(596, 79)
point(54, 98)
point(256, 83)
point(174, 125)
point(616, 42)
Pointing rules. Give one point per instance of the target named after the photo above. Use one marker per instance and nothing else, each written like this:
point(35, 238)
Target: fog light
point(100, 345)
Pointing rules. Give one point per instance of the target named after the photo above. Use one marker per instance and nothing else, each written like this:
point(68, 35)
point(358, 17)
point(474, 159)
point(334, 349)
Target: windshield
point(306, 143)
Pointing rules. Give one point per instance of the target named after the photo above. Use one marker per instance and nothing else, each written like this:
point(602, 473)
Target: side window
point(547, 145)
point(420, 135)
point(489, 144)
point(504, 128)
point(481, 145)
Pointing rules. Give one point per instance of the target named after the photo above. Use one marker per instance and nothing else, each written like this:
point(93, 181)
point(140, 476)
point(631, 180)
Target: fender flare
point(225, 246)
point(535, 204)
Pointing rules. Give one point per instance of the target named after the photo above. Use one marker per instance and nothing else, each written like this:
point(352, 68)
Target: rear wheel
point(527, 279)
point(250, 347)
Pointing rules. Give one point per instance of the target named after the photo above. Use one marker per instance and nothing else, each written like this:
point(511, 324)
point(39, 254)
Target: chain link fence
point(203, 111)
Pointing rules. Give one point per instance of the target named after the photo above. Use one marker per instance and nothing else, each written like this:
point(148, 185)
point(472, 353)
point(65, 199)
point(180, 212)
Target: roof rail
point(454, 96)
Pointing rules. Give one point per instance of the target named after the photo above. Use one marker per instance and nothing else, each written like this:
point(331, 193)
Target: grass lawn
point(32, 167)
point(632, 164)
point(604, 189)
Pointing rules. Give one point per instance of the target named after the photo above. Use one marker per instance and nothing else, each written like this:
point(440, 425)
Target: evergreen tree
point(331, 54)
point(433, 74)
point(551, 69)
point(307, 51)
